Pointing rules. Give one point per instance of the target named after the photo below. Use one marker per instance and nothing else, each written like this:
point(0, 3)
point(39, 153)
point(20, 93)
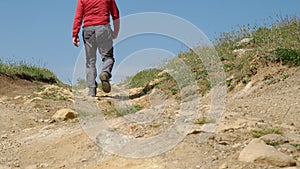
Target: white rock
point(33, 100)
point(240, 52)
point(43, 165)
point(234, 125)
point(17, 97)
point(64, 114)
point(223, 166)
point(245, 41)
point(258, 152)
point(5, 136)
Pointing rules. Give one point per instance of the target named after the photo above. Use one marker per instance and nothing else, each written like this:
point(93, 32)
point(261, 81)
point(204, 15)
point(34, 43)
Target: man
point(97, 34)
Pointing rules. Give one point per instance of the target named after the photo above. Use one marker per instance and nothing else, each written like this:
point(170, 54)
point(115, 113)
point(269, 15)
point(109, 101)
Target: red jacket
point(95, 12)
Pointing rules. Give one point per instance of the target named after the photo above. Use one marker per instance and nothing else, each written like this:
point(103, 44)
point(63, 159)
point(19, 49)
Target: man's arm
point(77, 23)
point(116, 18)
point(116, 27)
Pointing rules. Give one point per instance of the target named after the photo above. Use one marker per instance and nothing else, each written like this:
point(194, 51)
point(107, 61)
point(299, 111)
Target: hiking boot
point(92, 92)
point(104, 77)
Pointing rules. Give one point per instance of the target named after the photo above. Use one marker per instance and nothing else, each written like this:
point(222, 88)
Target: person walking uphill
point(97, 34)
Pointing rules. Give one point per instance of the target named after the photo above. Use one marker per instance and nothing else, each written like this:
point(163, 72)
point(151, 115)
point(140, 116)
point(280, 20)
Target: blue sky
point(39, 32)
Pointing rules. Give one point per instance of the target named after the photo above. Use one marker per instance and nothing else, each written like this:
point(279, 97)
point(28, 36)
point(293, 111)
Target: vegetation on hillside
point(277, 43)
point(274, 44)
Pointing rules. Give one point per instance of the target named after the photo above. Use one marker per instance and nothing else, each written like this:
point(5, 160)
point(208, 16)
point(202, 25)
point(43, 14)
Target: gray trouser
point(98, 37)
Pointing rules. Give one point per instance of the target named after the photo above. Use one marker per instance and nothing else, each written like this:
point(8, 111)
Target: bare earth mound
point(14, 86)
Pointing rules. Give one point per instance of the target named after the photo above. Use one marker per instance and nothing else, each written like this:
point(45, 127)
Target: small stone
point(237, 145)
point(16, 164)
point(223, 166)
point(194, 131)
point(44, 165)
point(47, 120)
point(240, 52)
point(274, 138)
point(214, 157)
point(17, 97)
point(245, 41)
point(5, 136)
point(289, 148)
point(64, 114)
point(198, 166)
point(83, 160)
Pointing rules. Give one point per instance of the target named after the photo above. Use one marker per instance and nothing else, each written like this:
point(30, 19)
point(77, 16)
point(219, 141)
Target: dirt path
point(29, 141)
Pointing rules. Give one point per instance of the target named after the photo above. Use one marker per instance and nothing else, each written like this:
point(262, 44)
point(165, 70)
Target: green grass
point(265, 131)
point(54, 92)
point(289, 57)
point(128, 110)
point(296, 145)
point(277, 43)
point(80, 84)
point(38, 106)
point(142, 78)
point(273, 143)
point(122, 111)
point(29, 72)
point(204, 121)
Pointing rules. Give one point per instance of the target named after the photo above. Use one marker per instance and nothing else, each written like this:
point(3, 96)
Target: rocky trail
point(31, 137)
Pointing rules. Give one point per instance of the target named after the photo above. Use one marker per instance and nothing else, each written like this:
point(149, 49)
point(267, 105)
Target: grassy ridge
point(28, 72)
point(278, 43)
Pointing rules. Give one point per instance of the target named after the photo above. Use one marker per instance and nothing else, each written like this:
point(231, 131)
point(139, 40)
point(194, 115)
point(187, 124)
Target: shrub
point(289, 57)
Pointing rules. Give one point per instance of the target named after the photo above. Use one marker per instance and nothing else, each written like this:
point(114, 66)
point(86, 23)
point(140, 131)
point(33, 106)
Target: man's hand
point(76, 42)
point(115, 35)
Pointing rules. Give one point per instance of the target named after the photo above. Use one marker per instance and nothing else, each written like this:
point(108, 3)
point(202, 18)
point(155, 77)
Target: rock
point(287, 148)
point(33, 100)
point(223, 166)
point(195, 131)
point(274, 138)
point(240, 52)
point(47, 120)
point(43, 165)
point(17, 97)
point(234, 125)
point(64, 114)
point(84, 160)
point(245, 41)
point(16, 164)
point(214, 158)
point(5, 136)
point(55, 92)
point(258, 152)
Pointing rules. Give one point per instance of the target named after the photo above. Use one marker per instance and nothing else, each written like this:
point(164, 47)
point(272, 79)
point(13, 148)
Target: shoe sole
point(105, 83)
